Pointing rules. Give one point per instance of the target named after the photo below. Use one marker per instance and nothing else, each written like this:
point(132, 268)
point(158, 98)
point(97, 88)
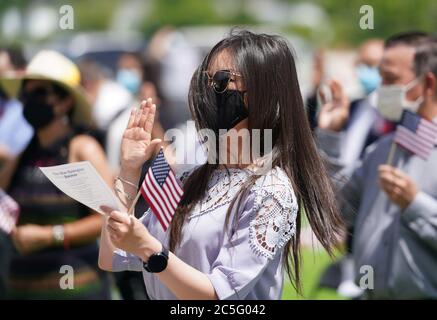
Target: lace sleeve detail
point(182, 175)
point(274, 214)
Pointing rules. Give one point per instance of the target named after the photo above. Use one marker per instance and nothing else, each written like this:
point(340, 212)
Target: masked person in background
point(53, 230)
point(357, 123)
point(333, 138)
point(345, 131)
point(15, 132)
point(367, 64)
point(393, 208)
point(130, 66)
point(130, 72)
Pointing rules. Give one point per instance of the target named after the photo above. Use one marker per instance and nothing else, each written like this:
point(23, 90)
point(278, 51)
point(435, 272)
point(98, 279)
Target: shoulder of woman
point(274, 212)
point(182, 173)
point(275, 183)
point(84, 147)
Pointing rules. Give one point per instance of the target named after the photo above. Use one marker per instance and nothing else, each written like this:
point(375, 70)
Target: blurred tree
point(390, 17)
point(177, 13)
point(91, 15)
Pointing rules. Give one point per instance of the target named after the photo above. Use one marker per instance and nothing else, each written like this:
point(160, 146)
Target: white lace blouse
point(249, 264)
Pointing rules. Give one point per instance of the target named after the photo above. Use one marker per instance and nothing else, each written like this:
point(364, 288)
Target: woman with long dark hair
point(236, 229)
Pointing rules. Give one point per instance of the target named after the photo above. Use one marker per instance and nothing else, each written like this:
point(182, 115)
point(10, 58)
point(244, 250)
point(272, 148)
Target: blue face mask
point(130, 79)
point(369, 77)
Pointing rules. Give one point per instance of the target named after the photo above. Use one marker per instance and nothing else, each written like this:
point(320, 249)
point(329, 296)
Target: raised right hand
point(137, 145)
point(334, 114)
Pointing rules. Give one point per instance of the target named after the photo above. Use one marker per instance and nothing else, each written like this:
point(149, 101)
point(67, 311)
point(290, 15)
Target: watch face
point(157, 262)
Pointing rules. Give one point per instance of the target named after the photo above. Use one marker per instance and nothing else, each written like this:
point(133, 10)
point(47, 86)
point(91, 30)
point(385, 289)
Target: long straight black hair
point(274, 100)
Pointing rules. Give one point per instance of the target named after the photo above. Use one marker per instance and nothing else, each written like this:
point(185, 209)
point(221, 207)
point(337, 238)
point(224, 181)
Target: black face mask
point(36, 111)
point(231, 109)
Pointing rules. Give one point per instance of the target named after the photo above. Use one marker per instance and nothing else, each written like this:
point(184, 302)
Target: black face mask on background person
point(36, 111)
point(231, 109)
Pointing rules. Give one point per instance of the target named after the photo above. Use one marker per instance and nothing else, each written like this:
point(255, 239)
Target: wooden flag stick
point(132, 208)
point(391, 154)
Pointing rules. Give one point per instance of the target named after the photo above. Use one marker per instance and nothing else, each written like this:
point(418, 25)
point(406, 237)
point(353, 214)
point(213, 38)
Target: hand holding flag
point(398, 186)
point(418, 136)
point(161, 190)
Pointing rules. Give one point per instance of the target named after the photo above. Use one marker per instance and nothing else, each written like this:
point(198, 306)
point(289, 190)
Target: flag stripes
point(161, 190)
point(416, 134)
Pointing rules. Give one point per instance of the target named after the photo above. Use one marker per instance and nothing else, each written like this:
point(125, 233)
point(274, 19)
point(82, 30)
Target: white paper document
point(82, 182)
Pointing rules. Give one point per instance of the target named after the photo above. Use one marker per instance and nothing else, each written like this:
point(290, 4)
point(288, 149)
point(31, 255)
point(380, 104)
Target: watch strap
point(164, 252)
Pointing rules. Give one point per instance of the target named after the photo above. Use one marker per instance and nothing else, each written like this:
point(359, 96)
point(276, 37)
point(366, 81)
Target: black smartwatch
point(157, 261)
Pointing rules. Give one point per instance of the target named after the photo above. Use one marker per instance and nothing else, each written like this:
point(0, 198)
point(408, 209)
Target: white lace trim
point(222, 188)
point(274, 214)
point(273, 221)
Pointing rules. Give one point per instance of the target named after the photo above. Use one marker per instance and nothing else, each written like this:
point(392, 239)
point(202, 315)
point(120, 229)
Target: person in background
point(346, 130)
point(12, 61)
point(344, 137)
point(53, 230)
point(176, 59)
point(15, 132)
point(393, 207)
point(130, 72)
point(107, 97)
point(318, 71)
point(146, 89)
point(369, 57)
point(358, 123)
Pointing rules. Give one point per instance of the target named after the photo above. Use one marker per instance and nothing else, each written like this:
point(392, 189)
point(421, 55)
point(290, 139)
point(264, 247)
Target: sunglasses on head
point(220, 80)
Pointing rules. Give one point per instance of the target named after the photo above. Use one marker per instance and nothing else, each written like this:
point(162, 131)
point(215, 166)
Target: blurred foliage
point(91, 15)
point(390, 16)
point(178, 13)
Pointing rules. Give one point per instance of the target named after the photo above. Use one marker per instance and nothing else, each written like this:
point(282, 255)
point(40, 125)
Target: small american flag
point(161, 190)
point(416, 134)
point(9, 212)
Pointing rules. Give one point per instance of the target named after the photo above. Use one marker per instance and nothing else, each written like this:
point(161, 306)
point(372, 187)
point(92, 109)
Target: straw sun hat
point(54, 67)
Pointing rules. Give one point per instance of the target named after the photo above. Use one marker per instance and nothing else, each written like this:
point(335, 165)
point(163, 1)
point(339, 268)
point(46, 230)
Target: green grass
point(313, 264)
